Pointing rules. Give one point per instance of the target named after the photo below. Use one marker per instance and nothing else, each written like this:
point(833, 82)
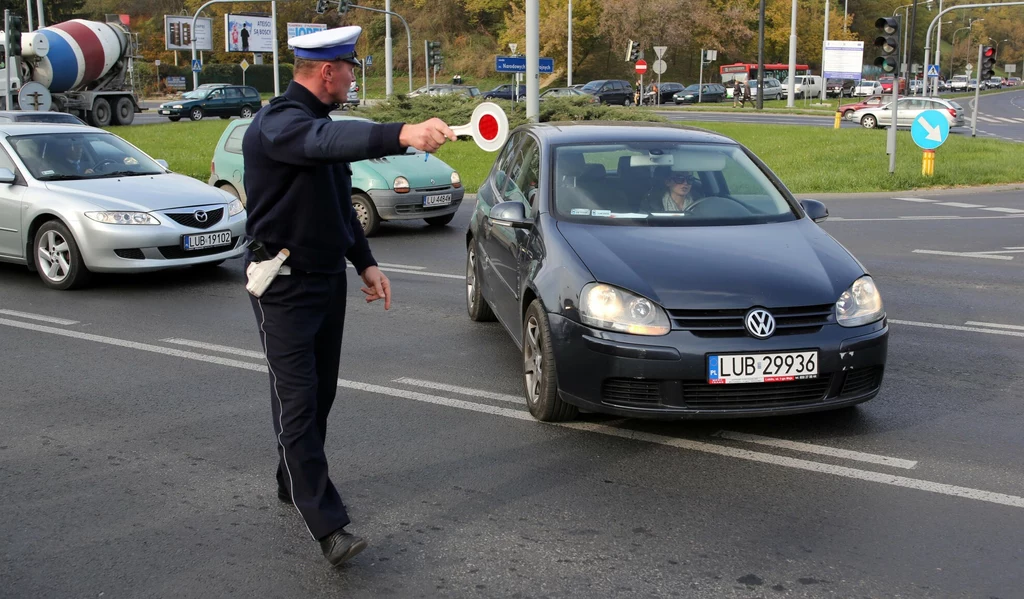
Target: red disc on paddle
point(488, 127)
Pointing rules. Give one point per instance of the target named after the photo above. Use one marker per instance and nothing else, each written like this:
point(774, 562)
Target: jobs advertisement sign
point(246, 33)
point(178, 33)
point(297, 29)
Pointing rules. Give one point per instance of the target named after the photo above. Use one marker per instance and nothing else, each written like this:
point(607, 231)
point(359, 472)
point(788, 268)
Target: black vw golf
point(656, 271)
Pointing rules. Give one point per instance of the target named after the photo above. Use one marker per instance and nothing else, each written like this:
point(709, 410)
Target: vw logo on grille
point(760, 323)
point(200, 216)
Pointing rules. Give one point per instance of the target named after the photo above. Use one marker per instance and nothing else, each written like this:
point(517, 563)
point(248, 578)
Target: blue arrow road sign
point(933, 71)
point(517, 64)
point(197, 66)
point(930, 129)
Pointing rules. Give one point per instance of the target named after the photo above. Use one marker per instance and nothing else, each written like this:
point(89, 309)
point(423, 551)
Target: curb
point(912, 193)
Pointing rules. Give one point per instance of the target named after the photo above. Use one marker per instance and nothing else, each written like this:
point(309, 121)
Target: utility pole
point(533, 60)
point(760, 58)
point(791, 82)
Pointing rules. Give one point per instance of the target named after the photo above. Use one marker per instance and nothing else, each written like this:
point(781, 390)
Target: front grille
point(188, 219)
point(418, 209)
point(729, 323)
point(699, 394)
point(131, 254)
point(862, 380)
point(433, 188)
point(175, 252)
point(631, 391)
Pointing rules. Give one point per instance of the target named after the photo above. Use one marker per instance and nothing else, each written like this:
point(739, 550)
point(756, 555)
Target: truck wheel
point(246, 112)
point(101, 113)
point(124, 111)
point(196, 114)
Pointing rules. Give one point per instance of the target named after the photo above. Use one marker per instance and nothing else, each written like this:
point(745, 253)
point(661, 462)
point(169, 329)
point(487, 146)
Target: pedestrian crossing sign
point(933, 71)
point(197, 65)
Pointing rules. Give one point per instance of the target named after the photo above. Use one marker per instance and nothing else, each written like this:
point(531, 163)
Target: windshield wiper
point(123, 174)
point(60, 177)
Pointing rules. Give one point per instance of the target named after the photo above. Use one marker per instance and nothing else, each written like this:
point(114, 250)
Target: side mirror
point(6, 176)
point(510, 214)
point(815, 210)
point(163, 163)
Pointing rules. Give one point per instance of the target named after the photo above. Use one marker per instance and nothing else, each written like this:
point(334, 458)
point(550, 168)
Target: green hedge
point(260, 76)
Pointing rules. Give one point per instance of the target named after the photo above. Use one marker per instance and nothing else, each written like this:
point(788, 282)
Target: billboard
point(178, 33)
point(843, 60)
point(246, 33)
point(297, 29)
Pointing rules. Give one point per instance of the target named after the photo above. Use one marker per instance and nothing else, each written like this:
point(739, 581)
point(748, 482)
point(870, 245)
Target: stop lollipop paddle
point(488, 127)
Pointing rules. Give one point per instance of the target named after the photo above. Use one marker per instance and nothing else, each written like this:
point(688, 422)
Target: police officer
point(299, 187)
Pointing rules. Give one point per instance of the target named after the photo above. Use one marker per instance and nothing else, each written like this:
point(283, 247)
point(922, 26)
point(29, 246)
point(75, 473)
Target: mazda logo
point(760, 323)
point(201, 216)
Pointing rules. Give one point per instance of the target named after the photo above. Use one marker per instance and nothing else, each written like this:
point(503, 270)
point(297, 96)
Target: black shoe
point(341, 546)
point(283, 495)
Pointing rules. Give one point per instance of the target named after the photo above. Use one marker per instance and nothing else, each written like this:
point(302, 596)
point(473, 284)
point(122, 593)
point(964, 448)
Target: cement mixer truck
point(84, 67)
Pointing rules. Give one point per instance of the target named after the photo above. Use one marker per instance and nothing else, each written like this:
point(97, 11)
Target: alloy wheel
point(532, 358)
point(54, 257)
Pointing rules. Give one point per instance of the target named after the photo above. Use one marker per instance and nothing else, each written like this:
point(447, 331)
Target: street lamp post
point(569, 78)
point(791, 84)
point(952, 52)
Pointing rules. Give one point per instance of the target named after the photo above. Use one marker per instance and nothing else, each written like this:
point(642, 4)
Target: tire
point(174, 119)
point(627, 102)
point(868, 121)
point(246, 112)
point(367, 213)
point(64, 260)
point(539, 378)
point(440, 221)
point(124, 111)
point(476, 305)
point(848, 115)
point(100, 115)
point(196, 114)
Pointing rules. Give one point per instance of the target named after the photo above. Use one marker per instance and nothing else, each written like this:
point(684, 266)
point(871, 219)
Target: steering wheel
point(102, 163)
point(691, 208)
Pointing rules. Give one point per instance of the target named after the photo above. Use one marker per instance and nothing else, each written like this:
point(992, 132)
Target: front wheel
point(476, 305)
point(869, 121)
point(57, 257)
point(848, 115)
point(539, 376)
point(174, 119)
point(440, 221)
point(196, 114)
point(366, 212)
point(246, 112)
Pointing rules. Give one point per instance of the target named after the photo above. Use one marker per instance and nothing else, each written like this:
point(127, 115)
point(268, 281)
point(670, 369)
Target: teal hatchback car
point(403, 187)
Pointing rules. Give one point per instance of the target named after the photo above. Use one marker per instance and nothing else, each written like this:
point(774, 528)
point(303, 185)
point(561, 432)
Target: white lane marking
point(767, 458)
point(461, 390)
point(819, 449)
point(30, 316)
point(425, 274)
point(406, 266)
point(964, 254)
point(1004, 251)
point(928, 217)
point(1005, 210)
point(886, 479)
point(959, 205)
point(224, 349)
point(1013, 327)
point(953, 327)
point(920, 200)
point(911, 218)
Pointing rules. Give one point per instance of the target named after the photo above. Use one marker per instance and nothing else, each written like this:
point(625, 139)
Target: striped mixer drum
point(80, 52)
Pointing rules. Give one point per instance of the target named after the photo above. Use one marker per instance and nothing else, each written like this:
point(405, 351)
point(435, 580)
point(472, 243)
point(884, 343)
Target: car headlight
point(235, 207)
point(123, 218)
point(179, 106)
point(860, 304)
point(607, 307)
point(401, 185)
point(456, 179)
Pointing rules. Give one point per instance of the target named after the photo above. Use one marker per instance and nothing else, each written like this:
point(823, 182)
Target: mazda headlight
point(456, 179)
point(607, 307)
point(123, 218)
point(860, 304)
point(235, 207)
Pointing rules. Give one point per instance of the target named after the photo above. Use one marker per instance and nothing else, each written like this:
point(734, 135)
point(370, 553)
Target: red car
point(869, 102)
point(887, 84)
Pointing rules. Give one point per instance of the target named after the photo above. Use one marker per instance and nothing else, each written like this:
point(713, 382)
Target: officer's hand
point(377, 286)
point(427, 136)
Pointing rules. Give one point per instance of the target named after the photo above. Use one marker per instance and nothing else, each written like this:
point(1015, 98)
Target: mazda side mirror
point(510, 214)
point(6, 176)
point(163, 163)
point(815, 210)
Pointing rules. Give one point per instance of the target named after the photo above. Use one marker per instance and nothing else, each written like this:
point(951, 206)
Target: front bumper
point(666, 377)
point(409, 206)
point(145, 248)
point(162, 111)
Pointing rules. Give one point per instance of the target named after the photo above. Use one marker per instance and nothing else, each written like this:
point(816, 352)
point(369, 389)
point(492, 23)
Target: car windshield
point(198, 94)
point(664, 184)
point(593, 85)
point(692, 88)
point(63, 156)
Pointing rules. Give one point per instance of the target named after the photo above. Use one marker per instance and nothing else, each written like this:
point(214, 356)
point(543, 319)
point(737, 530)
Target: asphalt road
point(137, 456)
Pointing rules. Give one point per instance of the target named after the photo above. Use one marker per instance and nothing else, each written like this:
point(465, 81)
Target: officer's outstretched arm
point(293, 137)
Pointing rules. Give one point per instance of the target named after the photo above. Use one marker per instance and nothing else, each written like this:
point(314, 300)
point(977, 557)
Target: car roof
point(619, 131)
point(32, 128)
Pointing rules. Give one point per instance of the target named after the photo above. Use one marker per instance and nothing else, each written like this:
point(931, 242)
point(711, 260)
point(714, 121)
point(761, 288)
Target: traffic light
point(343, 5)
point(321, 7)
point(434, 57)
point(888, 44)
point(988, 63)
point(14, 35)
point(633, 51)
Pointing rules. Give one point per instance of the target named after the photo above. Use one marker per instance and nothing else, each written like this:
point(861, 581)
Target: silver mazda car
point(76, 200)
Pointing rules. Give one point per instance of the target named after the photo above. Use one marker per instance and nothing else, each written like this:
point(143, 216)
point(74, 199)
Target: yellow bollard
point(928, 163)
point(839, 117)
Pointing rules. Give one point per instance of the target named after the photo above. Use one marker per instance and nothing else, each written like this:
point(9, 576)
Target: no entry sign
point(641, 66)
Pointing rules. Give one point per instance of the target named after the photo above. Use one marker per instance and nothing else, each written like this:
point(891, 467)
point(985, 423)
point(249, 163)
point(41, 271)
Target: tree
point(554, 31)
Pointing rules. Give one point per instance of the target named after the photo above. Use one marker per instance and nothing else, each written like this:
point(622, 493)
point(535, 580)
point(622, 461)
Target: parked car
point(76, 200)
point(916, 87)
point(803, 86)
point(595, 280)
point(441, 89)
point(908, 111)
point(611, 91)
point(566, 92)
point(664, 93)
point(972, 85)
point(867, 87)
point(403, 187)
point(887, 81)
point(352, 100)
point(506, 92)
point(959, 83)
point(223, 101)
point(707, 92)
point(872, 102)
point(35, 116)
point(1012, 81)
point(772, 88)
point(838, 88)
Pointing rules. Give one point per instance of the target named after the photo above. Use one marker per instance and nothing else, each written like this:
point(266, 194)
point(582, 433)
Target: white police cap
point(330, 44)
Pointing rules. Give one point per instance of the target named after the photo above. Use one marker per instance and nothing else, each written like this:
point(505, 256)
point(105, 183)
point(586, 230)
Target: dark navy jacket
point(299, 185)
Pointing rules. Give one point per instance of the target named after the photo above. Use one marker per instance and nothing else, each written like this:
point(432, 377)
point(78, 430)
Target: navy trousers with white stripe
point(300, 318)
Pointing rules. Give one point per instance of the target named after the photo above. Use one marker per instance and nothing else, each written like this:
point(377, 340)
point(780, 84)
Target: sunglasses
point(683, 179)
